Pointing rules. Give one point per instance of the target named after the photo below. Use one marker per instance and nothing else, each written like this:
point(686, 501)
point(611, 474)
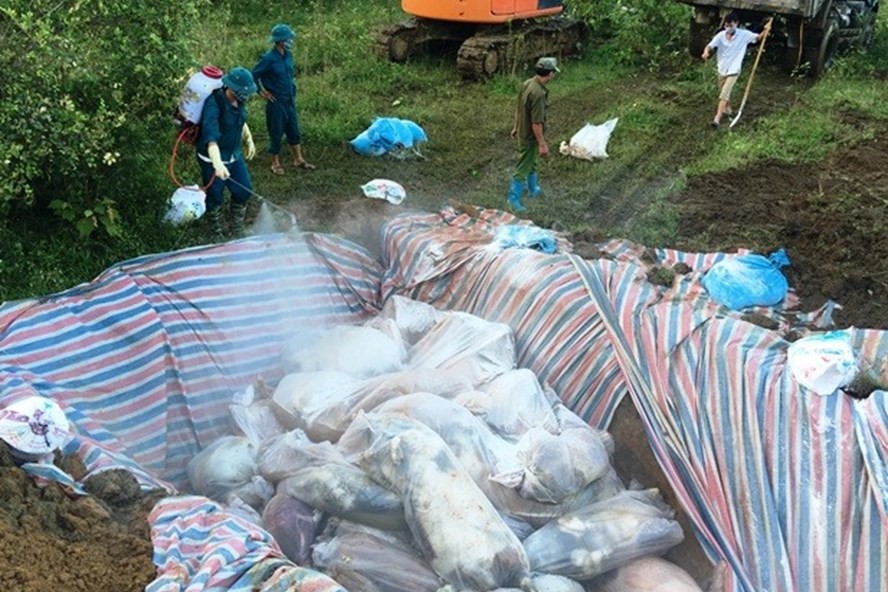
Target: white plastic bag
point(224, 466)
point(591, 141)
point(390, 191)
point(823, 362)
point(187, 203)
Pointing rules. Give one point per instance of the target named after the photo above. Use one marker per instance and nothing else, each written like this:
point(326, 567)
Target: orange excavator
point(495, 36)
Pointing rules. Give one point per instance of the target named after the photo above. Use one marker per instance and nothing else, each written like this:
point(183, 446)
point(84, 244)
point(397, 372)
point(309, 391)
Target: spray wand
point(266, 202)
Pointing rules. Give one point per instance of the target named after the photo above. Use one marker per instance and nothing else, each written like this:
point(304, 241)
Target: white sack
point(518, 403)
point(391, 191)
point(553, 583)
point(186, 204)
point(361, 352)
point(282, 455)
point(324, 403)
point(257, 421)
point(317, 401)
point(413, 319)
point(558, 466)
point(454, 525)
point(466, 345)
point(370, 560)
point(591, 141)
point(603, 536)
point(346, 492)
point(823, 362)
point(223, 466)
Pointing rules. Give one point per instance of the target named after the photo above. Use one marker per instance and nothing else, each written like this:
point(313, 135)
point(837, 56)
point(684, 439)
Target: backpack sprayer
point(186, 117)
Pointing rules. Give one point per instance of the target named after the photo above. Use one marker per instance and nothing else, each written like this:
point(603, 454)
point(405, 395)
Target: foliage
point(108, 74)
point(84, 97)
point(638, 32)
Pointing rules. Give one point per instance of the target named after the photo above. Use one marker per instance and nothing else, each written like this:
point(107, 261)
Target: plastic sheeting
point(788, 487)
point(145, 359)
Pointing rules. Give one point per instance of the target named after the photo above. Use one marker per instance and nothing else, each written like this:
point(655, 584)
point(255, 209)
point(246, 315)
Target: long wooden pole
point(758, 56)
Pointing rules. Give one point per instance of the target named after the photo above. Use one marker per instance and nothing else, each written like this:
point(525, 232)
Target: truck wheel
point(821, 50)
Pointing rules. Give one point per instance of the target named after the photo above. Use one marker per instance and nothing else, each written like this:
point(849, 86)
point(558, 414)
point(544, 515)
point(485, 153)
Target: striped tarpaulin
point(786, 486)
point(144, 360)
point(200, 547)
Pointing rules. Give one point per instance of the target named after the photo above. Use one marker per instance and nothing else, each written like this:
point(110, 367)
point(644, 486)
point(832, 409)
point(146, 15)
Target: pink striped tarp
point(788, 487)
point(200, 547)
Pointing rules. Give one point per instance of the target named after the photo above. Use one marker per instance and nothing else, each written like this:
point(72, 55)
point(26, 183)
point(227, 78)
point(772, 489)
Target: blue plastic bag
point(526, 237)
point(748, 280)
point(388, 135)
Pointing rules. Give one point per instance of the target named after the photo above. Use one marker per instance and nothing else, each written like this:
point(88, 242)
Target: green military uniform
point(531, 109)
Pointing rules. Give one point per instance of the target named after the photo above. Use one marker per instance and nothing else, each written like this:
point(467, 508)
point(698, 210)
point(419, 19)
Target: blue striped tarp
point(786, 486)
point(144, 359)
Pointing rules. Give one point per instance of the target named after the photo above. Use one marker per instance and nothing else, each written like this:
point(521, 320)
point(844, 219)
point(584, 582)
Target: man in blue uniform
point(223, 128)
point(275, 75)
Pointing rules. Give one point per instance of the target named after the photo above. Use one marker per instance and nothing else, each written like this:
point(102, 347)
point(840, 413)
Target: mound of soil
point(829, 216)
point(50, 540)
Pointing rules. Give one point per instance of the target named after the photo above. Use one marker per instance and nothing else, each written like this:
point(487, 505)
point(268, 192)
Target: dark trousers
point(281, 120)
point(240, 175)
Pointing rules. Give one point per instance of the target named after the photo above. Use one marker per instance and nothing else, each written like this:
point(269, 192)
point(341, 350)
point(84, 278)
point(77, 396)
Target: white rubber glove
point(216, 157)
point(247, 137)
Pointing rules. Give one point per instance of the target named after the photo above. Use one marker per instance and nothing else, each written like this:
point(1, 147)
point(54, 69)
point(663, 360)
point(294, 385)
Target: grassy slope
point(661, 138)
point(662, 135)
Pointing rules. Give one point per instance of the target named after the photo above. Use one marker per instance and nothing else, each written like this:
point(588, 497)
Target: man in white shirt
point(730, 45)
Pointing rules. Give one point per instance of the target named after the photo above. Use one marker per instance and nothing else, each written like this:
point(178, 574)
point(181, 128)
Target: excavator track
point(507, 50)
point(485, 51)
point(403, 40)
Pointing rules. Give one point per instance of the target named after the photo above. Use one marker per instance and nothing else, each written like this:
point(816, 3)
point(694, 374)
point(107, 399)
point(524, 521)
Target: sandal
point(304, 164)
point(277, 169)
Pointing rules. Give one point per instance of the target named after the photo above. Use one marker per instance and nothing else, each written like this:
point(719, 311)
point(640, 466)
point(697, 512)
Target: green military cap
point(548, 64)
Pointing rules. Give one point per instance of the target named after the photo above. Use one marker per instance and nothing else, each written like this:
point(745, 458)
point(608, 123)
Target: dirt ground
point(830, 217)
point(52, 541)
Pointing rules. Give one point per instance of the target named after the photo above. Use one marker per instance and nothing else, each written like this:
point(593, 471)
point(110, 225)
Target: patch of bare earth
point(829, 216)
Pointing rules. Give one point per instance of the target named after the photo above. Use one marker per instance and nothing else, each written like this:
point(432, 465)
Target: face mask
point(241, 98)
point(731, 29)
point(288, 45)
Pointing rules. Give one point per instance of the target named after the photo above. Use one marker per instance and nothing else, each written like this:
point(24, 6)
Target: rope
point(172, 166)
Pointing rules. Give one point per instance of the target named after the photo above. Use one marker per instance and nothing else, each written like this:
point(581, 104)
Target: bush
point(84, 98)
point(638, 32)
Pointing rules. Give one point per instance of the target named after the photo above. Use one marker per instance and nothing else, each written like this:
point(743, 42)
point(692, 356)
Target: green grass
point(661, 139)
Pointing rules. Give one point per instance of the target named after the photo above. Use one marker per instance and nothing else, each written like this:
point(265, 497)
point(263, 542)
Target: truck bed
point(804, 8)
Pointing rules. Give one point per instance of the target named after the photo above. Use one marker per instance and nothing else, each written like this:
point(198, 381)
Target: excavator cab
point(494, 36)
point(481, 11)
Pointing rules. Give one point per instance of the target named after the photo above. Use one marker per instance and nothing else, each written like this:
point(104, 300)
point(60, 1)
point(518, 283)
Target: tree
point(84, 96)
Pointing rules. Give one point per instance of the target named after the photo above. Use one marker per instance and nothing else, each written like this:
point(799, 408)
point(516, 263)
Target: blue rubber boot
point(516, 190)
point(533, 184)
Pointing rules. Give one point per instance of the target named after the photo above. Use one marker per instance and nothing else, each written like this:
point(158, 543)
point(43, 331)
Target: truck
point(494, 36)
point(811, 31)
